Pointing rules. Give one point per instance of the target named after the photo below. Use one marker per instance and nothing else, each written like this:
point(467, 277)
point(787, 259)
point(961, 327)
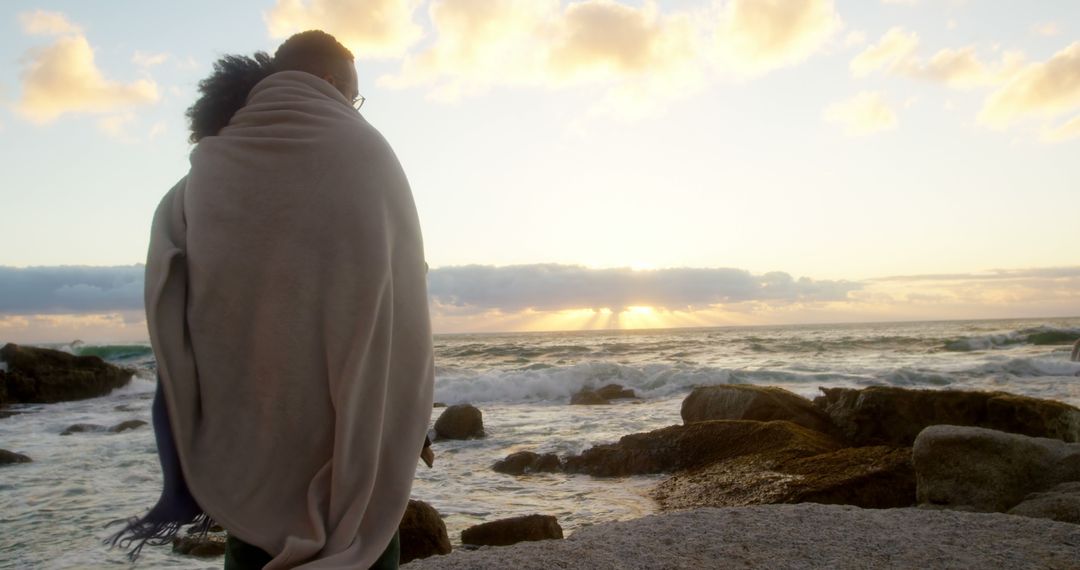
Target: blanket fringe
point(138, 532)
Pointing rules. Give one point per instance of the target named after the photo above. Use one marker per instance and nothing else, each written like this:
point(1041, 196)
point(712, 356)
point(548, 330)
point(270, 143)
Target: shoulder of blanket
point(169, 219)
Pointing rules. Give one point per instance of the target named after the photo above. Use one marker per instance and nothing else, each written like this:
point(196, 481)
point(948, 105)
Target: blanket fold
point(287, 307)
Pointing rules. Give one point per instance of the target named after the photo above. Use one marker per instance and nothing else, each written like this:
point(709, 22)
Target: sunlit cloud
point(895, 54)
point(635, 51)
point(1043, 89)
point(146, 60)
point(62, 77)
point(1047, 30)
point(1066, 131)
point(643, 54)
point(370, 28)
point(760, 35)
point(45, 23)
point(865, 113)
point(896, 46)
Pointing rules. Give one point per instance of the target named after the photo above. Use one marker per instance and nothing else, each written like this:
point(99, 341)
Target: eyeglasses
point(358, 102)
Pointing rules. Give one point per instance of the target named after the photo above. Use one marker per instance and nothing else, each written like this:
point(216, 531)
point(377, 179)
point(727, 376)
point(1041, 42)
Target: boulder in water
point(882, 415)
point(601, 396)
point(462, 421)
point(760, 403)
point(524, 462)
point(505, 532)
point(128, 425)
point(423, 532)
point(82, 428)
point(979, 469)
point(43, 375)
point(10, 457)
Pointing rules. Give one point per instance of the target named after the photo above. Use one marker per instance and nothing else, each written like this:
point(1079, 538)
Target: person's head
point(320, 54)
point(225, 91)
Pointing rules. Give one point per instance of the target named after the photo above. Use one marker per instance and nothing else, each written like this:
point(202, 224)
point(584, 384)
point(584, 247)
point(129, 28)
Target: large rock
point(42, 375)
point(1062, 503)
point(882, 415)
point(868, 477)
point(462, 421)
point(423, 532)
point(505, 532)
point(985, 470)
point(10, 457)
point(524, 462)
point(760, 403)
point(601, 396)
point(676, 448)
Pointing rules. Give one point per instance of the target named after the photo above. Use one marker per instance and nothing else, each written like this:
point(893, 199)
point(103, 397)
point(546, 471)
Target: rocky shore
point(793, 536)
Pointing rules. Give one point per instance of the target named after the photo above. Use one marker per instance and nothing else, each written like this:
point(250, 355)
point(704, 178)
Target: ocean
point(53, 511)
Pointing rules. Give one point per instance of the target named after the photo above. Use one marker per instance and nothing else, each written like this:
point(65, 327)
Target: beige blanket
point(287, 307)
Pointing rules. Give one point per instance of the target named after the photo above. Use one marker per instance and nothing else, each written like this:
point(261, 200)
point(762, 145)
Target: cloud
point(62, 77)
point(643, 53)
point(1048, 29)
point(759, 35)
point(70, 289)
point(1043, 89)
point(370, 28)
point(43, 23)
point(855, 38)
point(146, 60)
point(894, 47)
point(895, 54)
point(865, 113)
point(1061, 133)
point(549, 287)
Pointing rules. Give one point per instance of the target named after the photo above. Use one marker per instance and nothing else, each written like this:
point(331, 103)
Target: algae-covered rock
point(43, 375)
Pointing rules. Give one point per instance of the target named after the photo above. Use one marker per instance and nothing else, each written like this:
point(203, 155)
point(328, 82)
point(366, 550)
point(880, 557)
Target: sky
point(594, 163)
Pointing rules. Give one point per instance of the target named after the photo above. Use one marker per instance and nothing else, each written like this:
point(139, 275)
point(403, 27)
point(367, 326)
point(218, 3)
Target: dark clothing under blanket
point(240, 555)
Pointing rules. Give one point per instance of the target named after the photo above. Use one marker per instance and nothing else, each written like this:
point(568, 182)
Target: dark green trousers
point(240, 555)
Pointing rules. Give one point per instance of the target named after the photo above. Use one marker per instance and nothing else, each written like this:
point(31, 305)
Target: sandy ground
point(794, 536)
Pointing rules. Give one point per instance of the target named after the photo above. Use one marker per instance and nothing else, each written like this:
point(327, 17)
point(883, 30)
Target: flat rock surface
point(794, 536)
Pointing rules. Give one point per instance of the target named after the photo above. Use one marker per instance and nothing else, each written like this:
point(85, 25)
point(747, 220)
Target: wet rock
point(42, 375)
point(867, 477)
point(128, 425)
point(601, 396)
point(690, 446)
point(505, 532)
point(979, 469)
point(587, 397)
point(209, 546)
point(10, 457)
point(760, 403)
point(1061, 503)
point(462, 421)
point(882, 415)
point(82, 428)
point(423, 532)
point(524, 462)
